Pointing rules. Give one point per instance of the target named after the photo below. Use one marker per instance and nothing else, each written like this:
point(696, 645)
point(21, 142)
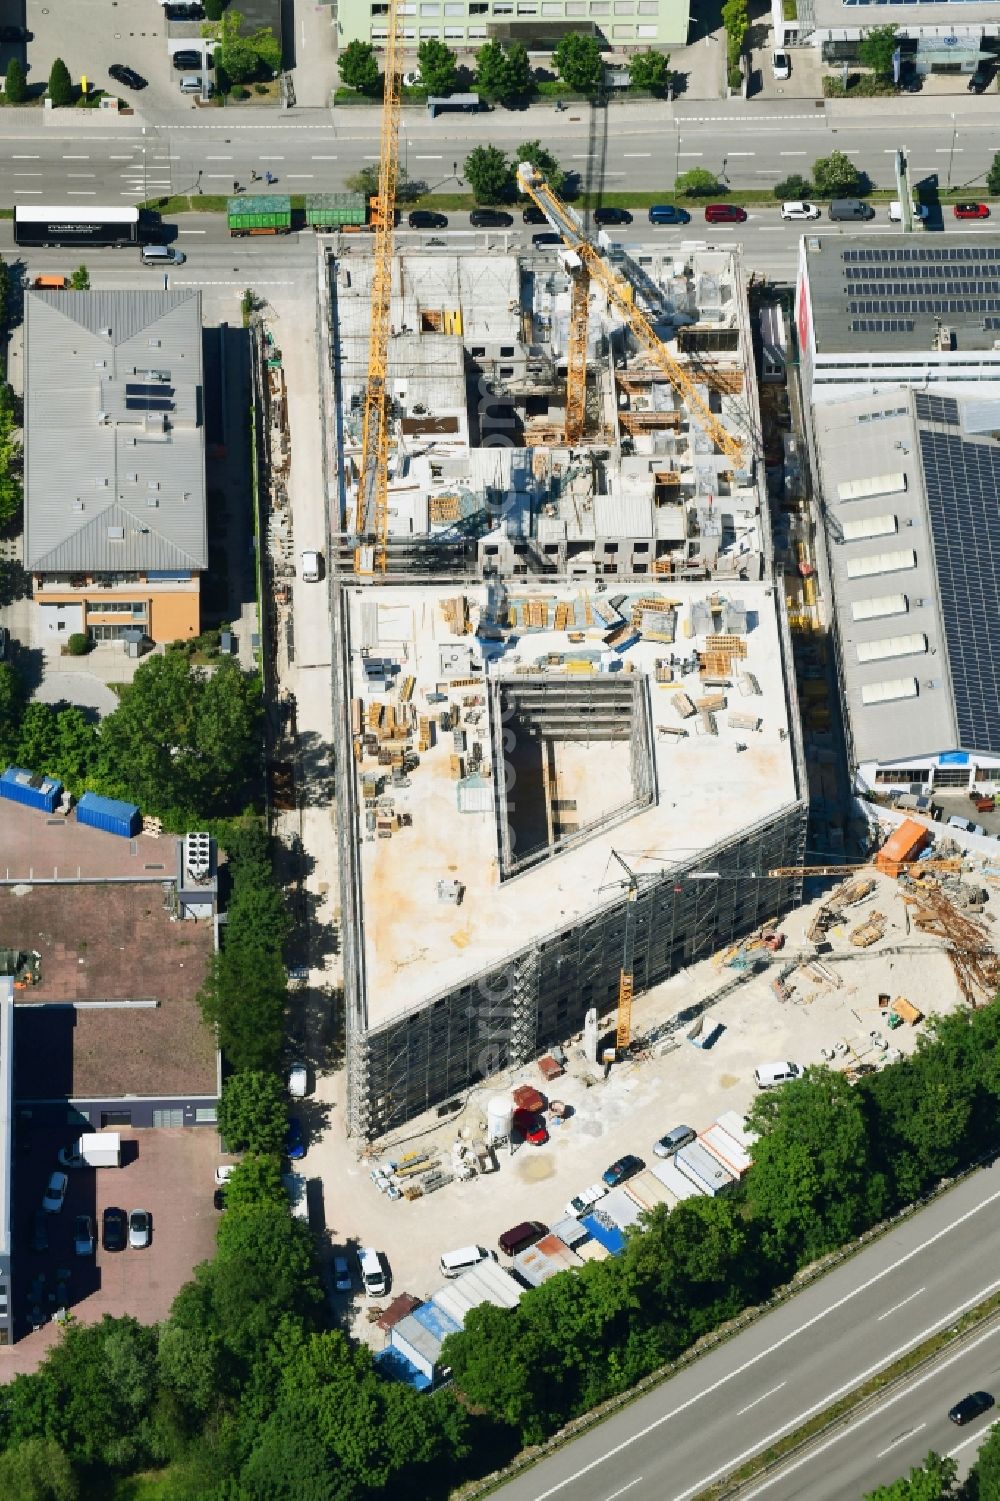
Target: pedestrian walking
point(198, 184)
point(254, 175)
point(236, 186)
point(270, 177)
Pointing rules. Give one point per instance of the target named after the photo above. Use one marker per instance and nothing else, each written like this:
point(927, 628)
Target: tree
point(358, 68)
point(37, 1469)
point(213, 8)
point(542, 158)
point(697, 183)
point(793, 187)
point(252, 1112)
point(993, 177)
point(16, 88)
point(650, 70)
point(243, 55)
point(256, 1180)
point(244, 997)
point(489, 174)
point(985, 1478)
point(502, 72)
point(12, 701)
point(80, 279)
point(934, 1480)
point(577, 59)
point(60, 85)
point(736, 20)
point(835, 176)
point(438, 67)
point(265, 1267)
point(876, 50)
point(11, 494)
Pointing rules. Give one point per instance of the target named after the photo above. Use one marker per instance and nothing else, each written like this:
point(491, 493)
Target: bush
point(239, 92)
point(793, 187)
point(993, 177)
point(16, 88)
point(859, 86)
point(260, 88)
point(836, 176)
point(78, 644)
point(734, 77)
point(213, 9)
point(697, 183)
point(60, 85)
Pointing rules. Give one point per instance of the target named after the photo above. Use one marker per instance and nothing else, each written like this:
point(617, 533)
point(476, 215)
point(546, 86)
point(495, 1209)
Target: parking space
point(167, 1172)
point(133, 33)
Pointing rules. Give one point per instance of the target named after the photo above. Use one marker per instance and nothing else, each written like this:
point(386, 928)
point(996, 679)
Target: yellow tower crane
point(371, 518)
point(590, 266)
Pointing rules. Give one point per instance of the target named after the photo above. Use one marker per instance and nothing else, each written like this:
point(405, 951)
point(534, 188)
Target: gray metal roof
point(114, 433)
point(878, 293)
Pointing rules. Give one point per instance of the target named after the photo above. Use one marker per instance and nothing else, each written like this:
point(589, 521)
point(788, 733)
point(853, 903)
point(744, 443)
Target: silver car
point(140, 1227)
point(680, 1136)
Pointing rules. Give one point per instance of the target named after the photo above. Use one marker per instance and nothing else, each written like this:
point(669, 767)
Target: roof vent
point(101, 481)
point(152, 500)
point(106, 332)
point(78, 505)
point(103, 417)
point(116, 533)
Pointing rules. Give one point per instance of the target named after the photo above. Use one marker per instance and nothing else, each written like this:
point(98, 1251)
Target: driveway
point(77, 688)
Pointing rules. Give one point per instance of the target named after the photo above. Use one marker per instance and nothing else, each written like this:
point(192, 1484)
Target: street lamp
point(951, 156)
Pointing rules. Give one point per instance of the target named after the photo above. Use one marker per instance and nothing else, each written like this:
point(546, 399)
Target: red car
point(531, 1127)
point(725, 213)
point(971, 211)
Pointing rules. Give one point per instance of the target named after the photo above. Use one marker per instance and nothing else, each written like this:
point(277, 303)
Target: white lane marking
point(70, 175)
point(428, 158)
point(876, 1412)
point(323, 158)
point(897, 1441)
point(81, 192)
point(615, 1494)
point(946, 150)
point(793, 153)
point(793, 1334)
point(23, 158)
point(192, 231)
point(690, 153)
point(741, 153)
point(372, 158)
point(757, 1400)
point(897, 1306)
point(218, 158)
point(225, 175)
point(76, 158)
point(113, 158)
point(848, 1386)
point(975, 1438)
point(276, 158)
point(630, 154)
point(294, 176)
point(36, 191)
point(29, 174)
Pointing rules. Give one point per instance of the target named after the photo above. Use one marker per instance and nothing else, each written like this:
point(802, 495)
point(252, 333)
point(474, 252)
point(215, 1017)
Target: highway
point(799, 1359)
point(625, 146)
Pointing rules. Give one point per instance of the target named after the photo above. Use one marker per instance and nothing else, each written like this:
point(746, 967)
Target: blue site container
point(30, 788)
point(109, 814)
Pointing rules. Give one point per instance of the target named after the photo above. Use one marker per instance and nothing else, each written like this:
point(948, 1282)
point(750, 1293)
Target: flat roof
point(99, 946)
point(38, 846)
point(890, 293)
point(418, 943)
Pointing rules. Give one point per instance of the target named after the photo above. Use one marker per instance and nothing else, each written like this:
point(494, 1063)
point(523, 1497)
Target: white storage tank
point(499, 1118)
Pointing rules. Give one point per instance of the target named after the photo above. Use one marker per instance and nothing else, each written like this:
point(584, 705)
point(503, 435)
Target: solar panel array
point(881, 325)
point(963, 485)
point(928, 279)
point(936, 408)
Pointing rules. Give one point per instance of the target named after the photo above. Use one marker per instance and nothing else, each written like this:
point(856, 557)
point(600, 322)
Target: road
point(796, 1361)
point(316, 150)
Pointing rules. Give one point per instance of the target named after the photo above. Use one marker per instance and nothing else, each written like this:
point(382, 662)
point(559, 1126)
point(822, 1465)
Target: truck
point(266, 214)
point(297, 1189)
point(336, 210)
point(98, 1149)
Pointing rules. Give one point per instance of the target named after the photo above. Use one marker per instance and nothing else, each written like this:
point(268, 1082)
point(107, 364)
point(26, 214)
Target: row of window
point(555, 8)
point(621, 32)
point(944, 776)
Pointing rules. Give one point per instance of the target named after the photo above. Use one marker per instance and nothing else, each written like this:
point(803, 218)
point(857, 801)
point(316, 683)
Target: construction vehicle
point(585, 263)
point(268, 214)
point(371, 521)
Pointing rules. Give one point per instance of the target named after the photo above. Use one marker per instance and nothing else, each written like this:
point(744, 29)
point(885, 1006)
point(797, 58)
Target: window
point(478, 351)
point(576, 8)
point(552, 9)
point(903, 774)
point(649, 7)
point(474, 10)
point(623, 31)
point(205, 1115)
point(641, 547)
point(624, 8)
point(506, 371)
point(527, 10)
point(174, 1117)
point(611, 547)
point(640, 567)
point(551, 547)
point(454, 33)
point(599, 8)
point(646, 31)
point(611, 568)
point(115, 607)
point(491, 551)
point(430, 31)
point(506, 350)
point(503, 8)
point(520, 548)
point(430, 10)
point(380, 10)
point(476, 33)
point(116, 1118)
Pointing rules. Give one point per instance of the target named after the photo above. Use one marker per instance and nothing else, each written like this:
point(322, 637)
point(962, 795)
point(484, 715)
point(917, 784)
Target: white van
point(454, 1263)
point(767, 1075)
point(162, 255)
point(372, 1276)
point(311, 567)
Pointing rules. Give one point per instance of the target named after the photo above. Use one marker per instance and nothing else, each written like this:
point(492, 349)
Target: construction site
point(561, 664)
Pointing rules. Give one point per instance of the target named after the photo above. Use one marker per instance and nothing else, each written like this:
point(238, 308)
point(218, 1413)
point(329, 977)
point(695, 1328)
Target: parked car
point(224, 1172)
point(971, 211)
point(626, 1167)
point(127, 77)
point(970, 1407)
point(531, 1127)
point(583, 1202)
point(295, 1146)
point(114, 1229)
point(140, 1229)
point(14, 34)
point(541, 241)
point(533, 215)
point(668, 213)
point(83, 1235)
point(298, 1081)
point(799, 211)
point(490, 218)
point(920, 211)
point(40, 1231)
point(425, 218)
point(189, 58)
point(341, 1274)
point(55, 1194)
point(769, 1075)
point(612, 216)
point(219, 1198)
point(520, 1237)
point(311, 566)
point(781, 66)
point(725, 213)
point(677, 1137)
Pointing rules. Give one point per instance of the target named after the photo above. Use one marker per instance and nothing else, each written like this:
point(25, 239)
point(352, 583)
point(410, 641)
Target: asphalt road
point(796, 1361)
point(615, 149)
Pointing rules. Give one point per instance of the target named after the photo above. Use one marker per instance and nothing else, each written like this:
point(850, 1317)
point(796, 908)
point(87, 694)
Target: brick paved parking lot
point(168, 1172)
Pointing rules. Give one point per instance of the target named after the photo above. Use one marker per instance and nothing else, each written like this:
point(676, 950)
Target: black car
point(40, 1231)
point(533, 215)
point(490, 218)
point(626, 1167)
point(127, 77)
point(972, 1406)
point(424, 218)
point(14, 34)
point(541, 241)
point(114, 1229)
point(185, 61)
point(612, 216)
point(980, 80)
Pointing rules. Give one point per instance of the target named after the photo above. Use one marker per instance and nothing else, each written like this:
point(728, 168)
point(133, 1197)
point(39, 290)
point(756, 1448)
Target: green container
point(335, 210)
point(268, 213)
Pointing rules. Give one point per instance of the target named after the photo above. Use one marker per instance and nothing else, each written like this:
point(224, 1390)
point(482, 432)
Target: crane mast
point(587, 261)
point(371, 519)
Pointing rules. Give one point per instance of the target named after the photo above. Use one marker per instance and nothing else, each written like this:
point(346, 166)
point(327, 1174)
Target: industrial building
point(935, 36)
point(465, 25)
point(115, 533)
point(575, 664)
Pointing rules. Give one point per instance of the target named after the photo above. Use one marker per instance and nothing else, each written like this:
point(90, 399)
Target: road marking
point(874, 1413)
point(690, 153)
point(615, 1494)
point(76, 158)
point(276, 158)
point(119, 158)
point(741, 153)
point(741, 1410)
point(323, 158)
point(192, 231)
point(37, 191)
point(218, 158)
point(851, 1385)
point(897, 1306)
point(793, 153)
point(71, 175)
point(901, 1440)
point(294, 176)
point(219, 174)
point(81, 192)
point(29, 174)
point(946, 150)
point(582, 156)
point(630, 154)
point(763, 1355)
point(428, 158)
point(372, 158)
point(975, 1438)
point(21, 158)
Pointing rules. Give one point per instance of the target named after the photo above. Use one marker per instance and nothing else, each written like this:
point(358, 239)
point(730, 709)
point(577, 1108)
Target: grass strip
point(820, 1421)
